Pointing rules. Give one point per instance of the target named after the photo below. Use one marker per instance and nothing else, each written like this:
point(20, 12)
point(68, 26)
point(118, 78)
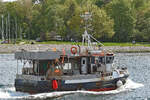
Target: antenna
point(86, 38)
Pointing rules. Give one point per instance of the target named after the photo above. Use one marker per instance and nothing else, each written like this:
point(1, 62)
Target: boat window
point(83, 62)
point(67, 66)
point(92, 60)
point(96, 60)
point(76, 66)
point(109, 59)
point(101, 60)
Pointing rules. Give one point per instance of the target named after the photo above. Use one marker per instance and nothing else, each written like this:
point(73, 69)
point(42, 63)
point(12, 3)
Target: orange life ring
point(73, 50)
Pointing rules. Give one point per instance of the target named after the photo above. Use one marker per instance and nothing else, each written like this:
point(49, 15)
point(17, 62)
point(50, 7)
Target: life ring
point(73, 50)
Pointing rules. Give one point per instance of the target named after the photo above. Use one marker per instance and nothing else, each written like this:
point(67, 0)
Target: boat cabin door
point(83, 65)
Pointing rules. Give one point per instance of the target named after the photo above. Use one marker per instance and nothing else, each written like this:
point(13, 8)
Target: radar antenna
point(86, 38)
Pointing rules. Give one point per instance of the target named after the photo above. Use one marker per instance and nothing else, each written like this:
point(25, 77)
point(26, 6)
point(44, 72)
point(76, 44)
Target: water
point(136, 88)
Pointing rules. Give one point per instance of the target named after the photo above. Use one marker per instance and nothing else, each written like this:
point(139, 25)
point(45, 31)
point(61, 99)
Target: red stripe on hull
point(103, 89)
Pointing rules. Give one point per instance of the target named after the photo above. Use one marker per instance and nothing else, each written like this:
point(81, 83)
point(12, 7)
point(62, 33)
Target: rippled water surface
point(136, 88)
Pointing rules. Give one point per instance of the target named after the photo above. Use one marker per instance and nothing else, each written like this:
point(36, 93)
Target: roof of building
point(40, 55)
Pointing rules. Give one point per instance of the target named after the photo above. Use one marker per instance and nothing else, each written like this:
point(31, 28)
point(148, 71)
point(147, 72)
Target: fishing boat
point(89, 68)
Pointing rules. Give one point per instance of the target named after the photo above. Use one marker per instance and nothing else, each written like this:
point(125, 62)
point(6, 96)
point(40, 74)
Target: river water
point(136, 88)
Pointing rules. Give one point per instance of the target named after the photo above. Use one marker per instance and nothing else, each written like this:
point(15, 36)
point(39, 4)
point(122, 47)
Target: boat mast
point(86, 38)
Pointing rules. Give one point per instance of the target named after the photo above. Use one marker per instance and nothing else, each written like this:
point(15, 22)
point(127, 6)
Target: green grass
point(126, 44)
point(59, 42)
point(146, 44)
point(105, 43)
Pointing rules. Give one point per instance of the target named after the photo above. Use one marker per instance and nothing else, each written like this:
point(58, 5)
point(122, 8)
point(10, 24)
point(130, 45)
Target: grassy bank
point(105, 43)
point(146, 44)
point(59, 42)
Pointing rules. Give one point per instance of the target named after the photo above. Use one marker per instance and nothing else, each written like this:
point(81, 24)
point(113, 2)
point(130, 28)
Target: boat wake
point(10, 93)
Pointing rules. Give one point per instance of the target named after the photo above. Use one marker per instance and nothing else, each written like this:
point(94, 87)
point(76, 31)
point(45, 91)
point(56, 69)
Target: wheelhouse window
point(101, 60)
point(76, 66)
point(67, 66)
point(109, 59)
point(92, 60)
point(83, 62)
point(67, 69)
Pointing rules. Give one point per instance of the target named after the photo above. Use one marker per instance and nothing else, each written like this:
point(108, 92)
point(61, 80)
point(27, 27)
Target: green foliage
point(100, 3)
point(124, 21)
point(115, 20)
point(101, 24)
point(142, 29)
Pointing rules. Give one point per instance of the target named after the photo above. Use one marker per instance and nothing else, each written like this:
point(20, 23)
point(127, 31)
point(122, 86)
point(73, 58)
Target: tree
point(124, 20)
point(118, 20)
point(100, 25)
point(141, 8)
point(49, 18)
point(143, 26)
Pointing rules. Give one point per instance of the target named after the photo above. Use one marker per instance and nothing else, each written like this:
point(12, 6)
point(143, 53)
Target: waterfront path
point(9, 48)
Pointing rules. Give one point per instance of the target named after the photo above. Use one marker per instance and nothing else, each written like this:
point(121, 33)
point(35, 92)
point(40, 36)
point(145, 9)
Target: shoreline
point(12, 48)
